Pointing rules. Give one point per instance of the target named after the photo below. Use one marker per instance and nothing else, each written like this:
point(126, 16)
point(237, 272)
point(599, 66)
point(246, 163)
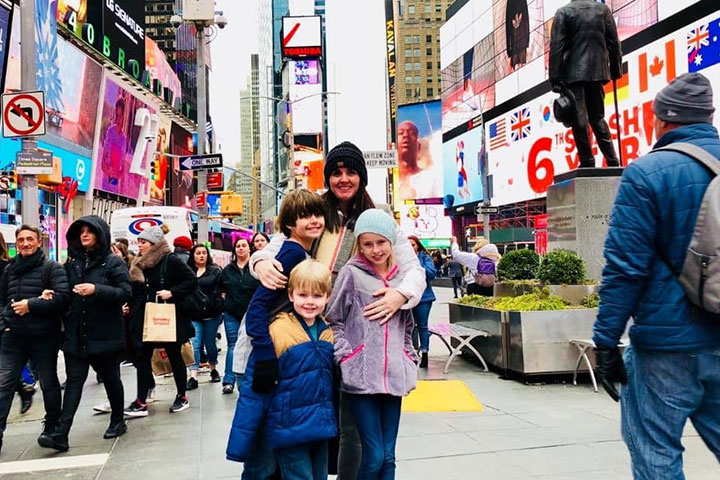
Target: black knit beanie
point(345, 154)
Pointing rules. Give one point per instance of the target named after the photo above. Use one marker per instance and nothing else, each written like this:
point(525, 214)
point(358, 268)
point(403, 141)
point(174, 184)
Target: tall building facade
point(268, 198)
point(417, 43)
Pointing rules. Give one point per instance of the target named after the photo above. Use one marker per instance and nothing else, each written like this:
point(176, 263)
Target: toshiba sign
point(302, 37)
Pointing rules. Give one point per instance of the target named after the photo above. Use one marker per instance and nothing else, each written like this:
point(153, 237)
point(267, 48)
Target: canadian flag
point(657, 69)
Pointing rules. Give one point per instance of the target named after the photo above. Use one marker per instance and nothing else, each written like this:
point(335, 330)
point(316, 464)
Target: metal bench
point(583, 346)
point(464, 335)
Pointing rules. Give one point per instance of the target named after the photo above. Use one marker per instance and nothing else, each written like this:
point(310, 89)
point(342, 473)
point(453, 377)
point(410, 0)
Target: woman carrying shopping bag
point(159, 278)
point(208, 320)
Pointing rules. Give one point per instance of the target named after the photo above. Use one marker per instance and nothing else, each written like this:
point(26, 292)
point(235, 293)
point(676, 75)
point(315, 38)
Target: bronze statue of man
point(584, 56)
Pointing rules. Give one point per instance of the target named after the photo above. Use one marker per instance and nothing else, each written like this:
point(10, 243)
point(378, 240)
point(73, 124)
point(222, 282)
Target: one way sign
point(199, 162)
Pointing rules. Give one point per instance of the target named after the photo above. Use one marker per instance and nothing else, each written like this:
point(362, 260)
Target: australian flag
point(703, 46)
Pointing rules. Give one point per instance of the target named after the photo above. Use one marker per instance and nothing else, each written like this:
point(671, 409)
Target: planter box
point(538, 342)
point(492, 321)
point(509, 290)
point(529, 343)
point(573, 293)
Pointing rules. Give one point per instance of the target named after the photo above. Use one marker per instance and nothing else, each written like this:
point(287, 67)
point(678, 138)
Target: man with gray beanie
point(671, 371)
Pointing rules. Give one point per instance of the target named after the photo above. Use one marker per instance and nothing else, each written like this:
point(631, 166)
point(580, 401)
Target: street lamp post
point(200, 26)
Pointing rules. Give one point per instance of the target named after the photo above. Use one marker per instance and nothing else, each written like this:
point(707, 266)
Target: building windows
point(428, 8)
point(411, 8)
point(417, 66)
point(416, 52)
point(409, 79)
point(407, 38)
point(438, 7)
point(417, 80)
point(408, 93)
point(429, 80)
point(428, 51)
point(408, 52)
point(428, 38)
point(416, 39)
point(430, 92)
point(408, 67)
point(428, 65)
point(428, 20)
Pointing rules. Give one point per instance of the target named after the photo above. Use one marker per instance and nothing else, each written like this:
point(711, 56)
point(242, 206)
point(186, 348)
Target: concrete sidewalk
point(551, 432)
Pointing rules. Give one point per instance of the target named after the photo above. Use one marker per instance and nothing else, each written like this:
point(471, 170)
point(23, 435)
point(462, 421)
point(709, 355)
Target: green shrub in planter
point(518, 265)
point(561, 267)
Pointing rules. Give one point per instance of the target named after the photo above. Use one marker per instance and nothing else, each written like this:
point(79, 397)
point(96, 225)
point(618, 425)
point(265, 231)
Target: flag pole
point(617, 122)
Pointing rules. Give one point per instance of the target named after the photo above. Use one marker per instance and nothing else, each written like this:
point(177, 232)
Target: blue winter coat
point(427, 263)
point(300, 409)
point(650, 229)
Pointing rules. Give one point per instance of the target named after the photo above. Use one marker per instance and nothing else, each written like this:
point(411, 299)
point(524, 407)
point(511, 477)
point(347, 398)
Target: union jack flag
point(703, 46)
point(520, 124)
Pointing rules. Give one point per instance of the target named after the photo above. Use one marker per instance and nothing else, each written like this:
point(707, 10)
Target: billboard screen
point(419, 146)
point(5, 27)
point(463, 158)
point(159, 68)
point(527, 147)
point(305, 93)
point(181, 183)
point(116, 142)
point(302, 37)
point(425, 221)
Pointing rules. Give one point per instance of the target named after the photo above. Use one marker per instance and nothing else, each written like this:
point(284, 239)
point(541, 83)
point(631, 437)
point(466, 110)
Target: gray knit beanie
point(152, 234)
point(687, 99)
point(376, 221)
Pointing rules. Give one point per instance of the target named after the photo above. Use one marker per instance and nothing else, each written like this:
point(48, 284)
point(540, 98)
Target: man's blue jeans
point(232, 327)
point(378, 419)
point(307, 461)
point(205, 334)
point(665, 389)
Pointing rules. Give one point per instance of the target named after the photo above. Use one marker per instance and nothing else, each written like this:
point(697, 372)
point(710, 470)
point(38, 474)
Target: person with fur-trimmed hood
point(158, 273)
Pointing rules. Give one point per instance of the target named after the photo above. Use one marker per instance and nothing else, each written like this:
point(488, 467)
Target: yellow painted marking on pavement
point(57, 463)
point(441, 396)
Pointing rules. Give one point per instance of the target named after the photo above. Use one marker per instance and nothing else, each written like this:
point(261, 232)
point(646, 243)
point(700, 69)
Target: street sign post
point(23, 114)
point(486, 210)
point(34, 162)
point(215, 181)
point(201, 162)
point(381, 159)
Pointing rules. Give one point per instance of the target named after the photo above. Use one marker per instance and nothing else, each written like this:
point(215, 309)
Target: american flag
point(520, 124)
point(497, 134)
point(703, 46)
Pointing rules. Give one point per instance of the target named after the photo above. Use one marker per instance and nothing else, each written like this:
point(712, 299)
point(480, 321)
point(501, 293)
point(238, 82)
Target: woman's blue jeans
point(205, 334)
point(378, 419)
point(421, 313)
point(232, 327)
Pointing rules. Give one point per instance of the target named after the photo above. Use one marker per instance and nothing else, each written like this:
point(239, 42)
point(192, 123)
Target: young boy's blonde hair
point(311, 275)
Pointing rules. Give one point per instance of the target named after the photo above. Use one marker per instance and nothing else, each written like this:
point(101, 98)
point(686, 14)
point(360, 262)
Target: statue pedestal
point(579, 204)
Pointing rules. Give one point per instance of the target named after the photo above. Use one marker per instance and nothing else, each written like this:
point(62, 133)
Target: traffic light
point(154, 169)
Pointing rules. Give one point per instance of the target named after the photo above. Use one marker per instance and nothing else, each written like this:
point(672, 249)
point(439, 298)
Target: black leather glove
point(610, 369)
point(265, 376)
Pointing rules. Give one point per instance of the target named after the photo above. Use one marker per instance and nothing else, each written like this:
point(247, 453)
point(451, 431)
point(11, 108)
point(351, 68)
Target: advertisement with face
point(71, 82)
point(419, 145)
point(161, 148)
point(425, 221)
point(528, 147)
point(468, 85)
point(159, 68)
point(117, 140)
point(463, 157)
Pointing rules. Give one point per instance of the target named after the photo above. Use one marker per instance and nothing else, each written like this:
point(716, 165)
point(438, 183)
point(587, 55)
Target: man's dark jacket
point(584, 44)
point(652, 222)
point(94, 322)
point(23, 279)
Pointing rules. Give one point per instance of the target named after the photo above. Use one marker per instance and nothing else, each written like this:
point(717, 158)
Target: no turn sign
point(23, 114)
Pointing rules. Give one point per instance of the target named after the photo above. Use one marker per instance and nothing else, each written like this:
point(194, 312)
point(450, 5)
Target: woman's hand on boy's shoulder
point(269, 274)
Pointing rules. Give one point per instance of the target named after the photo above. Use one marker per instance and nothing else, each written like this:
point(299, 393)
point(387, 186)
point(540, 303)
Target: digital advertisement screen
point(463, 157)
point(419, 146)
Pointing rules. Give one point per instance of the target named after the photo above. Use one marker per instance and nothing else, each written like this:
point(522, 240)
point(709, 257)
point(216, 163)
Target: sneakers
point(214, 376)
point(181, 403)
point(192, 384)
point(114, 431)
point(103, 408)
point(136, 409)
point(228, 388)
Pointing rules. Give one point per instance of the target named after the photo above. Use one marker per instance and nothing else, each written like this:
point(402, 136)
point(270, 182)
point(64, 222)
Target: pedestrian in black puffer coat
point(94, 333)
point(177, 284)
point(33, 296)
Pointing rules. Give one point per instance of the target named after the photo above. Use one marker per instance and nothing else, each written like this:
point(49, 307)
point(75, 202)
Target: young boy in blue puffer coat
point(300, 416)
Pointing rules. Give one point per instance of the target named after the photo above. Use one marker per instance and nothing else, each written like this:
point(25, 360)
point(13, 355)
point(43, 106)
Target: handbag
point(188, 353)
point(159, 323)
point(160, 362)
